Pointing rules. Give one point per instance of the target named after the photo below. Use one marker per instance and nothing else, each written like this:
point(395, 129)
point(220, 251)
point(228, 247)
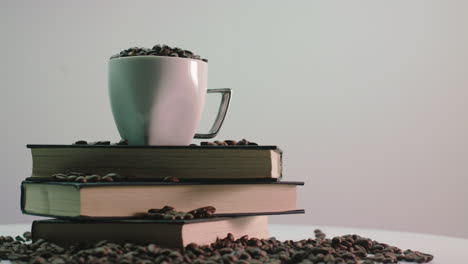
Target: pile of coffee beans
point(122, 142)
point(158, 50)
point(348, 249)
point(86, 177)
point(170, 213)
point(93, 177)
point(228, 142)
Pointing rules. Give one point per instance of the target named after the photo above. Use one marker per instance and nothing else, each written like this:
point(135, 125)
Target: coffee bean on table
point(224, 250)
point(27, 235)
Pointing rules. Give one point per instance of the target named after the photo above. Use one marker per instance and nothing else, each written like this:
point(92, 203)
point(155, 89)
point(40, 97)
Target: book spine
point(33, 231)
point(281, 165)
point(22, 199)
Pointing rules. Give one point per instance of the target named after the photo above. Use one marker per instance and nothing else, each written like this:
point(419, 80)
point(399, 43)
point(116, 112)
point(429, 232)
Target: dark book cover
point(266, 147)
point(206, 161)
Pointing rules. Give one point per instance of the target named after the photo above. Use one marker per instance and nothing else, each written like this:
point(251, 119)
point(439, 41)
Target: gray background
point(366, 98)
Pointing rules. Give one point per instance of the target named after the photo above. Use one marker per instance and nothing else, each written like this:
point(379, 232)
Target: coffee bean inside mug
point(158, 50)
point(158, 95)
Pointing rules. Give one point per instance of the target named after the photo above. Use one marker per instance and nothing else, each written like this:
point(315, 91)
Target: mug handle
point(223, 107)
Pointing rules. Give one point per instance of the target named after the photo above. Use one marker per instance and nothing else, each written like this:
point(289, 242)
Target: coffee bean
point(164, 52)
point(206, 211)
point(114, 176)
point(171, 179)
point(167, 209)
point(122, 142)
point(169, 217)
point(100, 143)
point(156, 215)
point(188, 216)
point(27, 235)
point(220, 143)
point(336, 241)
point(158, 50)
point(179, 216)
point(78, 177)
point(71, 178)
point(106, 178)
point(93, 178)
point(81, 179)
point(73, 173)
point(59, 177)
point(223, 250)
point(242, 142)
point(377, 248)
point(230, 142)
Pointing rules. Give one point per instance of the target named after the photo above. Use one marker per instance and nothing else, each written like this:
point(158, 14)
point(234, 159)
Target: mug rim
point(155, 57)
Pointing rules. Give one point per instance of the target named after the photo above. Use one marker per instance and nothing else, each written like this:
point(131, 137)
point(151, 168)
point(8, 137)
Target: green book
point(132, 199)
point(157, 162)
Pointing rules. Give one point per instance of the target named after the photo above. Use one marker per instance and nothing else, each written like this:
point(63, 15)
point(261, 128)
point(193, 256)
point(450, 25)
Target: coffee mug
point(159, 100)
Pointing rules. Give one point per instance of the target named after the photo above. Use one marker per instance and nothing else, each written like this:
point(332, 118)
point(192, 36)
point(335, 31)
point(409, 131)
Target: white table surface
point(446, 250)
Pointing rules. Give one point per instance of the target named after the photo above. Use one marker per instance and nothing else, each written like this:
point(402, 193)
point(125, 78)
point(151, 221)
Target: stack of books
point(100, 193)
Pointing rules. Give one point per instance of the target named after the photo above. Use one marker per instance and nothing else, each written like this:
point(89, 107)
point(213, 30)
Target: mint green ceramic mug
point(159, 100)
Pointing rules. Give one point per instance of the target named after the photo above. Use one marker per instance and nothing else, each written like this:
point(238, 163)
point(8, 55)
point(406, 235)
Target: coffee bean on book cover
point(171, 179)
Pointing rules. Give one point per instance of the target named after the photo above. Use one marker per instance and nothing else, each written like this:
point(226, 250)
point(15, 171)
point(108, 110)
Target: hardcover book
point(172, 234)
point(131, 199)
point(158, 162)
